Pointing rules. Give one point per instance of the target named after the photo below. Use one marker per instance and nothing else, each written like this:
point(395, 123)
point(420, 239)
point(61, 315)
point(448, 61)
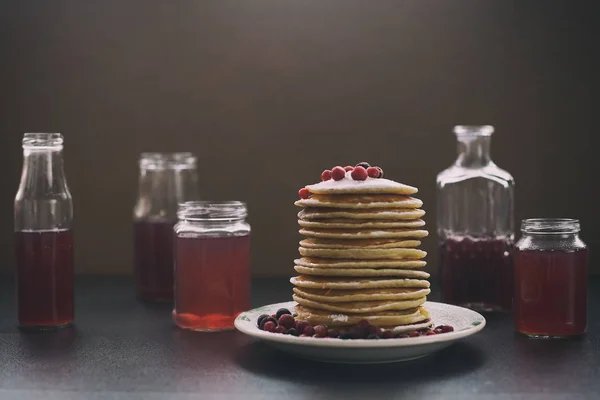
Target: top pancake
point(360, 201)
point(370, 185)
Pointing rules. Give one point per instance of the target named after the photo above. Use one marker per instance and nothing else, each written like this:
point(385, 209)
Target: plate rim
point(242, 319)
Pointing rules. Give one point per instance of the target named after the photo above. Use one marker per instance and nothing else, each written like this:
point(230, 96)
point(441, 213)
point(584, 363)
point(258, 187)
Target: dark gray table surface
point(121, 348)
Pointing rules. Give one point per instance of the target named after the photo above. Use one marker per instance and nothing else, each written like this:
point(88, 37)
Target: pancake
point(312, 243)
point(312, 282)
point(364, 233)
point(363, 254)
point(389, 214)
point(361, 307)
point(360, 201)
point(360, 223)
point(409, 328)
point(370, 185)
point(383, 318)
point(342, 296)
point(405, 273)
point(315, 262)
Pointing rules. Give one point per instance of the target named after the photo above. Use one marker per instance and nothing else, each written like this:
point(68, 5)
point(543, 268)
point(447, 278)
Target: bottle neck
point(161, 190)
point(43, 201)
point(473, 151)
point(43, 174)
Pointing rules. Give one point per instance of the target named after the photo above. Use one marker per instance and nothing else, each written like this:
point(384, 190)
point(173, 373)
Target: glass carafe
point(166, 179)
point(475, 225)
point(43, 237)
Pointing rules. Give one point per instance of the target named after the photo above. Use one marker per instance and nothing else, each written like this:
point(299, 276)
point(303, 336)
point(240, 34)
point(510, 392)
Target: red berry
point(348, 168)
point(364, 324)
point(447, 328)
point(326, 175)
point(287, 321)
point(374, 330)
point(309, 330)
point(320, 331)
point(304, 193)
point(359, 173)
point(373, 172)
point(414, 334)
point(301, 326)
point(358, 332)
point(430, 333)
point(280, 329)
point(437, 331)
point(338, 173)
point(333, 333)
point(269, 326)
point(387, 334)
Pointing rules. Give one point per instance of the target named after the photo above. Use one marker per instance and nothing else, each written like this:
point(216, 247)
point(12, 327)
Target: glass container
point(475, 225)
point(551, 279)
point(43, 215)
point(166, 179)
point(212, 265)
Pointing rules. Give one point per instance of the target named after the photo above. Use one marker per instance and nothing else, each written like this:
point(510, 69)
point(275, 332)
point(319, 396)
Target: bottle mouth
point(181, 160)
point(213, 211)
point(42, 140)
point(473, 130)
point(550, 226)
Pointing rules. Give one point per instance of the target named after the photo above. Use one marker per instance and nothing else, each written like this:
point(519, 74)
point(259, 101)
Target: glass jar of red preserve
point(551, 279)
point(212, 265)
point(43, 236)
point(165, 180)
point(475, 202)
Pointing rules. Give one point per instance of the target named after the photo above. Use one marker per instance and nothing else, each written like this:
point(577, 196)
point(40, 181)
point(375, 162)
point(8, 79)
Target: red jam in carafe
point(477, 273)
point(213, 281)
point(44, 278)
point(153, 259)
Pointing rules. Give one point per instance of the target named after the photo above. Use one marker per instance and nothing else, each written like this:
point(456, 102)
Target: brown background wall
point(269, 93)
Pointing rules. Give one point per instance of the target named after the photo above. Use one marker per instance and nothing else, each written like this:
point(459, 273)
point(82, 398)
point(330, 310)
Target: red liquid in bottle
point(477, 273)
point(44, 278)
point(551, 292)
point(212, 281)
point(153, 259)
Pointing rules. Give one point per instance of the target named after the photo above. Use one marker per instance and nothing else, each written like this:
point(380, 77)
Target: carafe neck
point(473, 146)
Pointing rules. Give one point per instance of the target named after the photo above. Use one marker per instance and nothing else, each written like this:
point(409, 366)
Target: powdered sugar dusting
point(339, 317)
point(349, 185)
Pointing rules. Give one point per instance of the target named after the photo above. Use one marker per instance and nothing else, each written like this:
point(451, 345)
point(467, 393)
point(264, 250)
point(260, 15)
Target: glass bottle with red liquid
point(166, 179)
point(212, 265)
point(43, 237)
point(475, 225)
point(551, 279)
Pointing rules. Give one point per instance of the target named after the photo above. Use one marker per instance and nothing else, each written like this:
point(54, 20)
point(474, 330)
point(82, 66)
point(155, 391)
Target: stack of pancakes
point(360, 258)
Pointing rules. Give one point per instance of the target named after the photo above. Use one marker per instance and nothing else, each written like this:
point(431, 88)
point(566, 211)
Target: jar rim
point(42, 140)
point(212, 210)
point(473, 130)
point(550, 226)
point(176, 160)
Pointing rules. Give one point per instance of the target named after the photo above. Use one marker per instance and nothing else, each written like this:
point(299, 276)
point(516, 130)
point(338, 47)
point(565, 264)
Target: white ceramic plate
point(361, 351)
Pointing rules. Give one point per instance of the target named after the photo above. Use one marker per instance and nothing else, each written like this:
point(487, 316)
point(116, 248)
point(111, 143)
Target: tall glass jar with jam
point(475, 225)
point(166, 179)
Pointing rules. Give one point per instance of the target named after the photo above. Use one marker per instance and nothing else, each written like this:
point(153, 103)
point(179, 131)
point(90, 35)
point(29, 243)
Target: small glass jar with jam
point(551, 279)
point(212, 265)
